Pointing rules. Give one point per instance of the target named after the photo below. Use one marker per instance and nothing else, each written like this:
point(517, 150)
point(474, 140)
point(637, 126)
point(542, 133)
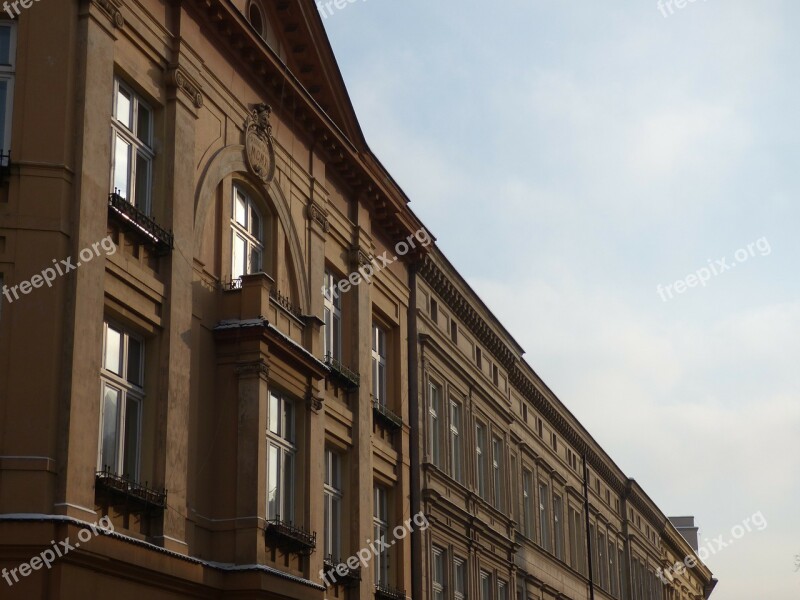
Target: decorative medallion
point(258, 144)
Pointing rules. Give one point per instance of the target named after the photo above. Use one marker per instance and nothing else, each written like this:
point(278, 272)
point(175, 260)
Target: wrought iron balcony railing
point(389, 418)
point(342, 374)
point(146, 227)
point(121, 491)
point(338, 573)
point(383, 592)
point(291, 537)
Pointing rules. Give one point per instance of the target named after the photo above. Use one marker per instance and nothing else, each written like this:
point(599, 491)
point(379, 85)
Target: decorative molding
point(259, 148)
point(313, 402)
point(258, 367)
point(359, 258)
point(112, 11)
point(317, 215)
point(180, 79)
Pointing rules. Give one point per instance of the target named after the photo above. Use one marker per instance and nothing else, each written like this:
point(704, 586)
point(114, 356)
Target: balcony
point(343, 376)
point(127, 495)
point(386, 593)
point(386, 416)
point(338, 573)
point(140, 224)
point(290, 537)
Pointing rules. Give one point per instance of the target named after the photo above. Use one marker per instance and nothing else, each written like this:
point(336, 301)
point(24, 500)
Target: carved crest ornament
point(259, 149)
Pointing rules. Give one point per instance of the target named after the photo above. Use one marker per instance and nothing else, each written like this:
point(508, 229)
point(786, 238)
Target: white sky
point(572, 156)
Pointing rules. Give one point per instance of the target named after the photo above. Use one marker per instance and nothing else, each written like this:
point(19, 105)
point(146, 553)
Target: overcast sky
point(573, 156)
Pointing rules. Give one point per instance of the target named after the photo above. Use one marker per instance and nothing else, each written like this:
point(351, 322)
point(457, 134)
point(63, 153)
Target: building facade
point(233, 362)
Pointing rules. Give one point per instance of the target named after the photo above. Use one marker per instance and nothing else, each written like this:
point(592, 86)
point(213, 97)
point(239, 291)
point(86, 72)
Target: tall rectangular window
point(497, 471)
point(612, 568)
point(8, 65)
point(459, 579)
point(438, 574)
point(456, 460)
point(544, 516)
point(122, 380)
point(435, 423)
point(593, 543)
point(132, 147)
point(380, 533)
point(482, 459)
point(558, 527)
point(379, 364)
point(333, 318)
point(527, 502)
point(601, 560)
point(486, 586)
point(333, 504)
point(247, 235)
point(621, 567)
point(502, 590)
point(281, 452)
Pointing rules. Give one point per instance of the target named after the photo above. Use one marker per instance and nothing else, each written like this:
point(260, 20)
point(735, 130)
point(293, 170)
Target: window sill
point(139, 223)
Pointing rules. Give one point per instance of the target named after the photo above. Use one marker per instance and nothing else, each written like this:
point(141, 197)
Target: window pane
point(287, 430)
point(255, 261)
point(240, 208)
point(113, 356)
point(239, 266)
point(5, 45)
point(3, 104)
point(142, 183)
point(122, 166)
point(131, 450)
point(274, 421)
point(287, 485)
point(143, 125)
point(255, 223)
point(124, 107)
point(134, 361)
point(273, 466)
point(110, 429)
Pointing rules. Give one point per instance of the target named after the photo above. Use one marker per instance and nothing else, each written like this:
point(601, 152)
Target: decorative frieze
point(258, 367)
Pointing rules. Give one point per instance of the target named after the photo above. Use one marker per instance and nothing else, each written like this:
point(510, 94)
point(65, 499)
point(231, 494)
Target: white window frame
point(128, 392)
point(527, 503)
point(332, 332)
point(138, 147)
point(332, 492)
point(497, 472)
point(280, 437)
point(381, 533)
point(558, 526)
point(459, 579)
point(379, 364)
point(251, 235)
point(544, 516)
point(456, 451)
point(435, 418)
point(437, 574)
point(482, 459)
point(8, 74)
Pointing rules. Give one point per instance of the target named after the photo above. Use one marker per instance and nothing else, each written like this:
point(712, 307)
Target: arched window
point(247, 235)
point(256, 19)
